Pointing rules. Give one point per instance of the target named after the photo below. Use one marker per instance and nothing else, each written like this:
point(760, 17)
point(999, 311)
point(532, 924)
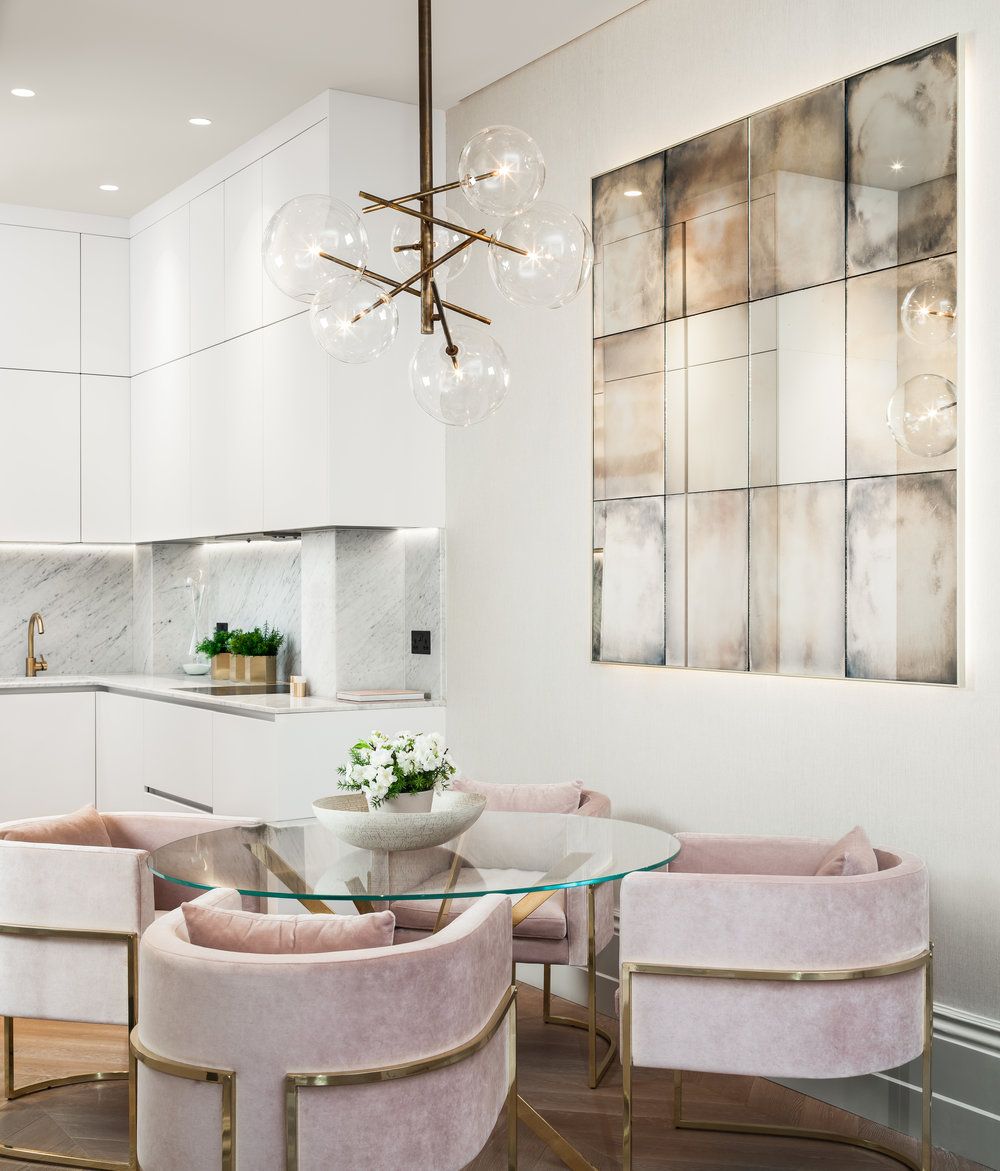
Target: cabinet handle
point(180, 800)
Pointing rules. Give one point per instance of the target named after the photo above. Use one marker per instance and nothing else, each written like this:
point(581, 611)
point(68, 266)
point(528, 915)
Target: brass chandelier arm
point(401, 286)
point(426, 116)
point(388, 280)
point(429, 219)
point(431, 191)
point(450, 348)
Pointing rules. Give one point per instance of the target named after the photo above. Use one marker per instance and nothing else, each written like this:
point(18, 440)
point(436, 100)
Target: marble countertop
point(178, 689)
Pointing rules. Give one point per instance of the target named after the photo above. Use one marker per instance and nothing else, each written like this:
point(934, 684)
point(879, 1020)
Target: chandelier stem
point(482, 236)
point(450, 348)
point(426, 164)
point(423, 274)
point(431, 191)
point(388, 280)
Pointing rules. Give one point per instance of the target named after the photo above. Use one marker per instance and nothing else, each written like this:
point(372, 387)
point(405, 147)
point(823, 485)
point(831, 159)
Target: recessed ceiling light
point(109, 186)
point(632, 194)
point(896, 165)
point(23, 93)
point(200, 121)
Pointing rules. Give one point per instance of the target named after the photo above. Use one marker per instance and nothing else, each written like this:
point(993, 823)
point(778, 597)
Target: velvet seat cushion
point(85, 827)
point(561, 797)
point(853, 854)
point(546, 922)
point(246, 931)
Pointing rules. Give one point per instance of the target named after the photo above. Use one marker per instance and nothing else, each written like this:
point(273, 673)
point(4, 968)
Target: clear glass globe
point(559, 260)
point(406, 231)
point(928, 312)
point(923, 415)
point(347, 325)
point(465, 388)
point(501, 171)
point(297, 233)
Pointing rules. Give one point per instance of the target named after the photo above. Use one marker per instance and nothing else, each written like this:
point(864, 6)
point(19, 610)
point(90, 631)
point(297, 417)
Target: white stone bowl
point(347, 816)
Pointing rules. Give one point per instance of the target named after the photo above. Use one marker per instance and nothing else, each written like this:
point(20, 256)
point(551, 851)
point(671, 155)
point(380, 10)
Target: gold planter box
point(260, 668)
point(237, 667)
point(220, 666)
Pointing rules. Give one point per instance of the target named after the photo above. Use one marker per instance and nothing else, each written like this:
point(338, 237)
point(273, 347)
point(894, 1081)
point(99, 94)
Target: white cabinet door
point(296, 427)
point(208, 269)
point(161, 451)
point(39, 299)
point(177, 752)
point(160, 293)
point(227, 438)
point(46, 753)
point(300, 166)
point(245, 782)
point(105, 465)
point(244, 230)
point(119, 753)
point(104, 305)
point(39, 456)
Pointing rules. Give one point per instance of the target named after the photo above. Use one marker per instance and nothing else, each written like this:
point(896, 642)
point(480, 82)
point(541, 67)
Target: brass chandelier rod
point(423, 273)
point(431, 191)
point(449, 345)
point(388, 280)
point(427, 220)
point(426, 165)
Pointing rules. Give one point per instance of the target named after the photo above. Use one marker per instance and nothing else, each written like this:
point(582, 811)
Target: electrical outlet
point(420, 642)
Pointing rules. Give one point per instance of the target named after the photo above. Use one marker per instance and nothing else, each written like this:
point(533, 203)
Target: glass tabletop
point(506, 853)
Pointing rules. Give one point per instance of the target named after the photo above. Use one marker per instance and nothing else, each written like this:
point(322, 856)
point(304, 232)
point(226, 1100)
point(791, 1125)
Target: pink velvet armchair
point(571, 927)
point(741, 960)
point(70, 920)
point(390, 1058)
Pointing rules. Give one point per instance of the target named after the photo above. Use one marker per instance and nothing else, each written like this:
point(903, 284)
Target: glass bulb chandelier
point(316, 250)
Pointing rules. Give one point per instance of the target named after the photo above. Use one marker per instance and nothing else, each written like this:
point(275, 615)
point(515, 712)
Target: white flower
point(381, 758)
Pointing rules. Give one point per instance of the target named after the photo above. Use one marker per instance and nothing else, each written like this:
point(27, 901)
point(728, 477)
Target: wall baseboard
point(966, 1115)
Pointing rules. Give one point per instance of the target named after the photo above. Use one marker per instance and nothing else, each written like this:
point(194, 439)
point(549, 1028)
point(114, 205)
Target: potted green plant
point(398, 775)
point(216, 648)
point(238, 642)
point(260, 651)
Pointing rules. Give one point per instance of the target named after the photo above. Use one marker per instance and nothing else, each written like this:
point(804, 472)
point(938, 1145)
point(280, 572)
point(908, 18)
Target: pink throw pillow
point(853, 854)
point(85, 827)
point(247, 931)
point(562, 797)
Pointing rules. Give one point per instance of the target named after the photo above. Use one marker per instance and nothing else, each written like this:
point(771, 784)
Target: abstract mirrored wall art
point(776, 396)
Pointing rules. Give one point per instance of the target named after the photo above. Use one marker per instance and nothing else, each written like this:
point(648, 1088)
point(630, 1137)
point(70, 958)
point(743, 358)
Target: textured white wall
point(918, 766)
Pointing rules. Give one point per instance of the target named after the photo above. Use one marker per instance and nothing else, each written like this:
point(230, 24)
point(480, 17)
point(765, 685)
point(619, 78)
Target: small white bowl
point(348, 818)
point(196, 668)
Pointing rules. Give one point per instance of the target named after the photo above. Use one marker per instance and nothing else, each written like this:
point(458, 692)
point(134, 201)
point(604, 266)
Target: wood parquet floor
point(92, 1120)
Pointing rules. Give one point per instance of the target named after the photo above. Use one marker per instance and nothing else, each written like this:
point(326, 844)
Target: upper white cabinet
point(40, 463)
point(208, 269)
point(161, 453)
point(160, 294)
point(300, 166)
point(104, 305)
point(227, 438)
point(244, 269)
point(105, 471)
point(39, 299)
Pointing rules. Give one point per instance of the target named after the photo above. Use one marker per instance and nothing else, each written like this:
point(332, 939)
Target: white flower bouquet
point(384, 769)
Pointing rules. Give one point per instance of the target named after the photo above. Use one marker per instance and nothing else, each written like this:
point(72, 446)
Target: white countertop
point(177, 688)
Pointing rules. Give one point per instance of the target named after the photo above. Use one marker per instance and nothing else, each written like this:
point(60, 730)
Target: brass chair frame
point(923, 961)
point(504, 1012)
point(11, 1092)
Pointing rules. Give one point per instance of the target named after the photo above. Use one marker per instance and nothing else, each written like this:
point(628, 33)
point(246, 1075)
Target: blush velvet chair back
point(395, 1057)
point(571, 927)
point(741, 960)
point(70, 920)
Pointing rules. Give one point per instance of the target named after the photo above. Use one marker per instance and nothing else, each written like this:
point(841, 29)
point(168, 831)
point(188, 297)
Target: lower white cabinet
point(177, 752)
point(46, 753)
point(119, 753)
point(244, 752)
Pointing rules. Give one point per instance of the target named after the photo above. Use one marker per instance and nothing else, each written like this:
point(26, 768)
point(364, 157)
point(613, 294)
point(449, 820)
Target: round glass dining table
point(528, 856)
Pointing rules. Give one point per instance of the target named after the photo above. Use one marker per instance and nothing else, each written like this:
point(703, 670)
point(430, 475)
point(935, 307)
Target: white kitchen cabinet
point(105, 465)
point(40, 463)
point(227, 438)
point(208, 269)
point(161, 453)
point(296, 427)
point(245, 780)
point(46, 753)
point(104, 305)
point(39, 299)
point(160, 292)
point(300, 166)
point(177, 752)
point(244, 270)
point(119, 753)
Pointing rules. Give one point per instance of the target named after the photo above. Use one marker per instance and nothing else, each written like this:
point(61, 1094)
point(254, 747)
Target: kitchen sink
point(238, 689)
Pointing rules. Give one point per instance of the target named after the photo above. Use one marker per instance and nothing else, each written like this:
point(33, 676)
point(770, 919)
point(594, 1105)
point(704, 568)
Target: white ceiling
point(117, 80)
